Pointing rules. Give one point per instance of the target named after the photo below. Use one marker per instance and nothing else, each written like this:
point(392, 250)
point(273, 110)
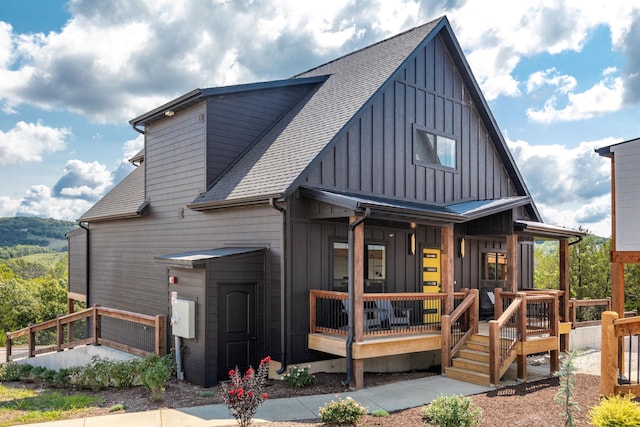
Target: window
point(494, 266)
point(431, 149)
point(376, 262)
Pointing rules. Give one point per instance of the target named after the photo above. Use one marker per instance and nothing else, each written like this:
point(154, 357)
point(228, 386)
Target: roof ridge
point(355, 52)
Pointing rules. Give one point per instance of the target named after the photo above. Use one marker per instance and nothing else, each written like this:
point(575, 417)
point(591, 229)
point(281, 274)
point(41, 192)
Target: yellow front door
point(431, 283)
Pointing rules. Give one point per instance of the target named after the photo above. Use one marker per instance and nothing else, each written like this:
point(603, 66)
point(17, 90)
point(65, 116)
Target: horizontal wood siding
point(78, 261)
point(191, 286)
point(236, 121)
point(375, 154)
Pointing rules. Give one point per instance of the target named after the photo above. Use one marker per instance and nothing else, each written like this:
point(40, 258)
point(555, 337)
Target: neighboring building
point(245, 198)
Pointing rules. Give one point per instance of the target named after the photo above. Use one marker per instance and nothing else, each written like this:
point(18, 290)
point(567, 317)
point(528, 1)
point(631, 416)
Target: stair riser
point(471, 366)
point(471, 355)
point(468, 377)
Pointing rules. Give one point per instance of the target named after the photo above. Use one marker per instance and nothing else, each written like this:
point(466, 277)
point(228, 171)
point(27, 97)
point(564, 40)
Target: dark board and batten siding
point(375, 154)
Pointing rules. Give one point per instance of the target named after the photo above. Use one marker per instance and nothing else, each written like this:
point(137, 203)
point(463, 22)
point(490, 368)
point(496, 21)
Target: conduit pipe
point(283, 288)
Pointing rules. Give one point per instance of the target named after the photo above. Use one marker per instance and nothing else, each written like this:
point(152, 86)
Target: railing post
point(522, 334)
point(59, 333)
point(32, 342)
point(160, 336)
point(474, 312)
point(609, 354)
point(494, 350)
point(312, 311)
point(554, 355)
point(96, 325)
point(446, 342)
point(497, 305)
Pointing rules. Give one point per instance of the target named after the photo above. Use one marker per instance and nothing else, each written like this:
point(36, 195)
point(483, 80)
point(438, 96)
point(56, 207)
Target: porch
point(387, 324)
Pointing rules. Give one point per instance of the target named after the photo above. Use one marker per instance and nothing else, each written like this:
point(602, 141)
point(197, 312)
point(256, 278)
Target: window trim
point(418, 128)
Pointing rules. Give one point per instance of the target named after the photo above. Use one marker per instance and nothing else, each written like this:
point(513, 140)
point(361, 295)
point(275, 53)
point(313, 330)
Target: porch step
point(472, 362)
point(467, 376)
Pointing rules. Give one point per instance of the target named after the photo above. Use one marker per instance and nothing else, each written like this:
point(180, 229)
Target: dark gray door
point(237, 327)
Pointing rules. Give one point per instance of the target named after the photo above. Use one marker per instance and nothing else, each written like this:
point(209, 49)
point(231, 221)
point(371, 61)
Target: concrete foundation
point(79, 356)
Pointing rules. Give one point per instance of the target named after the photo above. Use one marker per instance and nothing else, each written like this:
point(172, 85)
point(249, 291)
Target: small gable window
point(430, 149)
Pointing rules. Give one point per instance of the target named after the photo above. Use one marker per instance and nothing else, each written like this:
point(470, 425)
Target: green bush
point(62, 377)
point(342, 412)
point(298, 377)
point(96, 375)
point(452, 411)
point(123, 373)
point(614, 411)
point(156, 371)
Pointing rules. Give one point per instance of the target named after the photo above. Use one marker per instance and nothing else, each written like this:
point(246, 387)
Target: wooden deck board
point(375, 347)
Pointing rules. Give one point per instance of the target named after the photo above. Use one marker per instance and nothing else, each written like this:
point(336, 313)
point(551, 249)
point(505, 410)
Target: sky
point(561, 78)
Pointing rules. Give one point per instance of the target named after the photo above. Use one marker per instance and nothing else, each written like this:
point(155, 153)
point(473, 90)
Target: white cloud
point(81, 180)
point(570, 186)
point(39, 201)
point(28, 142)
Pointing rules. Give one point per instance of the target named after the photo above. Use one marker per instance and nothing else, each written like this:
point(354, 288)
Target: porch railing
point(137, 333)
point(384, 313)
point(504, 334)
point(541, 311)
point(459, 325)
point(619, 361)
point(587, 312)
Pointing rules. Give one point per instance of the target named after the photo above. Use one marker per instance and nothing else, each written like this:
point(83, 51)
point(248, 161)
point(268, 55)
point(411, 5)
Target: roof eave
point(231, 203)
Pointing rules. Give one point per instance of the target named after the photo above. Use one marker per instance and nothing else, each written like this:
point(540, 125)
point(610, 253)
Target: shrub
point(155, 372)
point(117, 407)
point(564, 396)
point(342, 412)
point(452, 411)
point(10, 371)
point(244, 393)
point(123, 374)
point(615, 411)
point(298, 377)
point(96, 375)
point(62, 377)
point(380, 413)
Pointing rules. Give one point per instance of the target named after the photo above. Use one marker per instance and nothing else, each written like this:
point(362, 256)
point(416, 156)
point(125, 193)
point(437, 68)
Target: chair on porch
point(372, 316)
point(395, 316)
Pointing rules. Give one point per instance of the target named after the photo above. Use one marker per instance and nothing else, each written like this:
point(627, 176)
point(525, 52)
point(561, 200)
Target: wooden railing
point(504, 334)
point(458, 326)
point(590, 309)
point(145, 334)
point(384, 313)
point(616, 335)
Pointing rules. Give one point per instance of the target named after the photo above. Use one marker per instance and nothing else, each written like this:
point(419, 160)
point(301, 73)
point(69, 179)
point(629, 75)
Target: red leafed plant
point(244, 393)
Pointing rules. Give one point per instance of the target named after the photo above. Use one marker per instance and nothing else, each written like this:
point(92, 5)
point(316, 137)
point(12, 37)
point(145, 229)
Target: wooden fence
point(84, 328)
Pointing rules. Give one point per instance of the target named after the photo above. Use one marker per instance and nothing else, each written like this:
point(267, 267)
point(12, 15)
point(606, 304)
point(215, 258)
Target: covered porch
point(360, 322)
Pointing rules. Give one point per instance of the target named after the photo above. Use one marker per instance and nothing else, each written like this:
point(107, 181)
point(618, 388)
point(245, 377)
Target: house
point(277, 211)
point(618, 332)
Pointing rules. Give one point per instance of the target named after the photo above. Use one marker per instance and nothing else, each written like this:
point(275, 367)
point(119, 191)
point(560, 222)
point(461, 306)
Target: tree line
point(589, 270)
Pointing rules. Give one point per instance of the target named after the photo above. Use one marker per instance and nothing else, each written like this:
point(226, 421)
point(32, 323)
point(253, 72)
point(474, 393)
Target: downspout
point(88, 260)
point(283, 288)
point(350, 288)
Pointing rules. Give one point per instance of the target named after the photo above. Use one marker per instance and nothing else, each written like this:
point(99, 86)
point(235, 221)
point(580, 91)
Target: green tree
point(590, 268)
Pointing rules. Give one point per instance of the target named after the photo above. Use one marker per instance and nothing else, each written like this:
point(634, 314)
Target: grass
point(21, 406)
point(49, 259)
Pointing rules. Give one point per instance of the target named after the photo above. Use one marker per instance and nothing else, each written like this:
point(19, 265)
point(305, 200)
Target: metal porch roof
point(193, 259)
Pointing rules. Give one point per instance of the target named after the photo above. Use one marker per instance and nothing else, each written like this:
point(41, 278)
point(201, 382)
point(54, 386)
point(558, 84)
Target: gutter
point(283, 288)
point(350, 305)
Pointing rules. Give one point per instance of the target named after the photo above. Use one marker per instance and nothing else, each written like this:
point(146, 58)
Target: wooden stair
point(472, 362)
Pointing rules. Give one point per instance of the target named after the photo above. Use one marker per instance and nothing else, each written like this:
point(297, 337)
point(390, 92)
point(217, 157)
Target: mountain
point(31, 231)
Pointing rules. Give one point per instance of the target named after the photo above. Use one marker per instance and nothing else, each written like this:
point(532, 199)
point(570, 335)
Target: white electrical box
point(183, 318)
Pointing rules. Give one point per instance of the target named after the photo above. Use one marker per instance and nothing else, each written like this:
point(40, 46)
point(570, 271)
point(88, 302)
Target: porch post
point(617, 288)
point(447, 253)
point(565, 287)
point(512, 262)
point(358, 299)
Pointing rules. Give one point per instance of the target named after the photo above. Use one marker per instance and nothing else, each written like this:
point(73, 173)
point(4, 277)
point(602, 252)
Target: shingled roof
point(274, 164)
point(125, 200)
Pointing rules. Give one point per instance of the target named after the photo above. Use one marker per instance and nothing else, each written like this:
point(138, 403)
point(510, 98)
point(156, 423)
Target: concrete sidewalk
point(390, 397)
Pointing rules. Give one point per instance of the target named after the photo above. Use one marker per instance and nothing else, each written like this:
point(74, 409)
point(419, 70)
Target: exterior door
point(431, 282)
point(237, 327)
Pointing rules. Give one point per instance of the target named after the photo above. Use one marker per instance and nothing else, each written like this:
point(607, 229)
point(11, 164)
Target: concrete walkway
point(390, 397)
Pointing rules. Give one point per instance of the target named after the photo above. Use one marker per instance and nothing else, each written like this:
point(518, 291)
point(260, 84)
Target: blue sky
point(561, 78)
